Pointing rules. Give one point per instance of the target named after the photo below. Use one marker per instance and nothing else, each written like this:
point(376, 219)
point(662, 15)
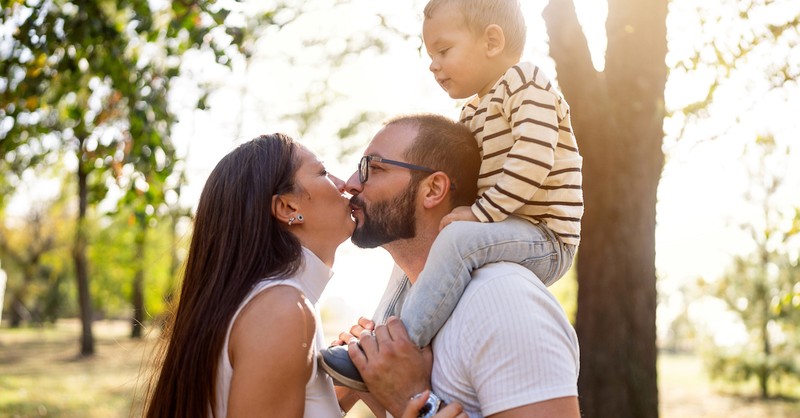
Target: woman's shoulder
point(277, 319)
point(282, 302)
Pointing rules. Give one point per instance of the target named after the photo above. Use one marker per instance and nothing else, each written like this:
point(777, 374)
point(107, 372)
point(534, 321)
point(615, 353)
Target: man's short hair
point(444, 145)
point(478, 14)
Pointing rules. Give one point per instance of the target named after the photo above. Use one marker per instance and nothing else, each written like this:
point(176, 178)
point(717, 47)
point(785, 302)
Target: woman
point(245, 333)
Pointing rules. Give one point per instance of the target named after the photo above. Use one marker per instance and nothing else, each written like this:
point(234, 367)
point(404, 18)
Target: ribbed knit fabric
point(507, 344)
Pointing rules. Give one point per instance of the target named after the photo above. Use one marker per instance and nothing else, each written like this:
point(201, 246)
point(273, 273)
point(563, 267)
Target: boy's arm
point(533, 114)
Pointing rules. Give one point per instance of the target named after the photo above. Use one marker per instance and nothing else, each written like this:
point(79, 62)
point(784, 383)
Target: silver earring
point(291, 220)
point(299, 218)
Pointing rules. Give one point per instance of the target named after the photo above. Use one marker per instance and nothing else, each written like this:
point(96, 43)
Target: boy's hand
point(461, 213)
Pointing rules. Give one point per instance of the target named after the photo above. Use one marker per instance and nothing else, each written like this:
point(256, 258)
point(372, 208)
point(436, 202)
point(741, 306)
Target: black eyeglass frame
point(363, 167)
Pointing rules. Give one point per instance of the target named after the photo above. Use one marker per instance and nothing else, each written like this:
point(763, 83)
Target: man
point(507, 350)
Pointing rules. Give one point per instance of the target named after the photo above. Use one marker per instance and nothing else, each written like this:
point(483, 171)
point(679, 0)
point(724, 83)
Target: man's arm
point(553, 408)
point(397, 370)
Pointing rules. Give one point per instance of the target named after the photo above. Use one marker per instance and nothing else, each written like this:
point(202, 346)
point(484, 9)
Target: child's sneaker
point(336, 361)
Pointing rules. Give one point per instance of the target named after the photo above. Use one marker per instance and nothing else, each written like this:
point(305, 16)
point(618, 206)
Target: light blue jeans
point(464, 246)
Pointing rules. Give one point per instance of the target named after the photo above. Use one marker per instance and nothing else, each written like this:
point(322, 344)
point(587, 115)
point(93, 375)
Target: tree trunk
point(617, 117)
point(81, 264)
point(18, 310)
point(137, 321)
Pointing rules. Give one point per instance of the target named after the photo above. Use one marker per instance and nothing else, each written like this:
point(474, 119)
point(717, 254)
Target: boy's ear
point(495, 40)
point(283, 208)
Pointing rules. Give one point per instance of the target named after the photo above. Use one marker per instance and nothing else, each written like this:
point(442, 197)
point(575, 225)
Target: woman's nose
point(339, 183)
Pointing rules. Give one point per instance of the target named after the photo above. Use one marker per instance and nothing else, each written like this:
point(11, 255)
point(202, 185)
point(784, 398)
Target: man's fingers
point(366, 323)
point(368, 343)
point(356, 355)
point(397, 330)
point(382, 335)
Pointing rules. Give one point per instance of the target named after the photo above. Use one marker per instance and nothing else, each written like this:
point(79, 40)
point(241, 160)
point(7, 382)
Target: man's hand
point(362, 325)
point(392, 366)
point(460, 213)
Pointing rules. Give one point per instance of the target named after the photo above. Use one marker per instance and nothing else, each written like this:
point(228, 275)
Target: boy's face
point(459, 59)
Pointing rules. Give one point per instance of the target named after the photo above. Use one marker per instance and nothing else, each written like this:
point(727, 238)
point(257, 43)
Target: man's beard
point(386, 221)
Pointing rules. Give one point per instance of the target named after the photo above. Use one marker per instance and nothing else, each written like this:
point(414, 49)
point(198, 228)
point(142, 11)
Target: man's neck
point(410, 255)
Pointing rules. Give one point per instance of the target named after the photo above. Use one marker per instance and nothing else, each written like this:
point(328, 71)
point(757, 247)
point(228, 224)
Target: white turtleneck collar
point(314, 275)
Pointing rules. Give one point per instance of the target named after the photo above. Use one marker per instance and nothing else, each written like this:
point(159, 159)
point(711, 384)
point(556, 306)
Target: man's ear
point(495, 40)
point(283, 208)
point(435, 189)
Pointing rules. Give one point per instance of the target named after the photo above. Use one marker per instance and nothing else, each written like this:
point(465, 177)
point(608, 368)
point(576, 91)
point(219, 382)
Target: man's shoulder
point(504, 273)
point(503, 282)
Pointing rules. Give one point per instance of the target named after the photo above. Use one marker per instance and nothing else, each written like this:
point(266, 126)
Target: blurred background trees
point(88, 82)
point(761, 287)
point(100, 102)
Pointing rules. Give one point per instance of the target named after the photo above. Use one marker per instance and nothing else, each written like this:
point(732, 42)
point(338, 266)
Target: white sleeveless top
point(311, 280)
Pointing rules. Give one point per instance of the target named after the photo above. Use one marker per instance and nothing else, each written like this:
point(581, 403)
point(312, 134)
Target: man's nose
point(353, 185)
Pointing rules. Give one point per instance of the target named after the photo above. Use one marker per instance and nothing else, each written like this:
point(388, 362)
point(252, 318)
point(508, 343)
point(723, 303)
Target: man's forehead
point(391, 141)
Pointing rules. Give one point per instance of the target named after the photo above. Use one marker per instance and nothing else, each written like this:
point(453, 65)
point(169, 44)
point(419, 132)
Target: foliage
point(734, 50)
point(34, 251)
point(114, 259)
point(748, 365)
point(91, 79)
point(761, 287)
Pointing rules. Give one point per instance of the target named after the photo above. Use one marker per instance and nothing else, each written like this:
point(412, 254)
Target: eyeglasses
point(363, 166)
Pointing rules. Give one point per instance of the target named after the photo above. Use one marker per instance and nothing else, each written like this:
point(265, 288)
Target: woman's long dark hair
point(236, 242)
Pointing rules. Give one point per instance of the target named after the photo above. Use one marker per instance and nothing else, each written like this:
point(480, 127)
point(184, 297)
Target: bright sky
point(699, 194)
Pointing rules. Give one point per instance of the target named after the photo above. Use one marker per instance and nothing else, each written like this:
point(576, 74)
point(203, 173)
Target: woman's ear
point(283, 208)
point(495, 40)
point(435, 189)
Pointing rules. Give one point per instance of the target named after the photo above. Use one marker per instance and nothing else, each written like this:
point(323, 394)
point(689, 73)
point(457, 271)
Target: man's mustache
point(356, 202)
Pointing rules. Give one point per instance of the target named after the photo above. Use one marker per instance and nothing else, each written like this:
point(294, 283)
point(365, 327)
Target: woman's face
point(322, 202)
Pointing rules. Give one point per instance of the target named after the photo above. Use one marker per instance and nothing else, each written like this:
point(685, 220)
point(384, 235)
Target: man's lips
point(355, 208)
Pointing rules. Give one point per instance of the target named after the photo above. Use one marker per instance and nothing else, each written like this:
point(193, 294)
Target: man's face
point(384, 206)
point(386, 220)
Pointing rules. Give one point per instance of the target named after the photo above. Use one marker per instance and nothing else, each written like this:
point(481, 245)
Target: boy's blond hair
point(478, 14)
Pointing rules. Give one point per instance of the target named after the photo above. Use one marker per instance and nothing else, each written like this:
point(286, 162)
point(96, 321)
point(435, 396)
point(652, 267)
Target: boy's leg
point(464, 246)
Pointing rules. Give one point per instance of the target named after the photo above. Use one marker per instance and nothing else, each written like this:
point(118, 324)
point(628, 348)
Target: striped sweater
point(530, 162)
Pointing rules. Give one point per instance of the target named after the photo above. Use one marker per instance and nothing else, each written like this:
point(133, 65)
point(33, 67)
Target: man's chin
point(364, 239)
point(363, 243)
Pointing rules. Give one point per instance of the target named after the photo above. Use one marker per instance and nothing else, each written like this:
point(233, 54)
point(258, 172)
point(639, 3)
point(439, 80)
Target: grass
point(686, 392)
point(41, 376)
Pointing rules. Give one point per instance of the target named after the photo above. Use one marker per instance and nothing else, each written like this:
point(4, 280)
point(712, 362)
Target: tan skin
point(270, 374)
point(464, 64)
point(391, 385)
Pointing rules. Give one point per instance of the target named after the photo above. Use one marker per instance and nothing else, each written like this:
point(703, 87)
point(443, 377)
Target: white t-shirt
point(311, 280)
point(507, 344)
